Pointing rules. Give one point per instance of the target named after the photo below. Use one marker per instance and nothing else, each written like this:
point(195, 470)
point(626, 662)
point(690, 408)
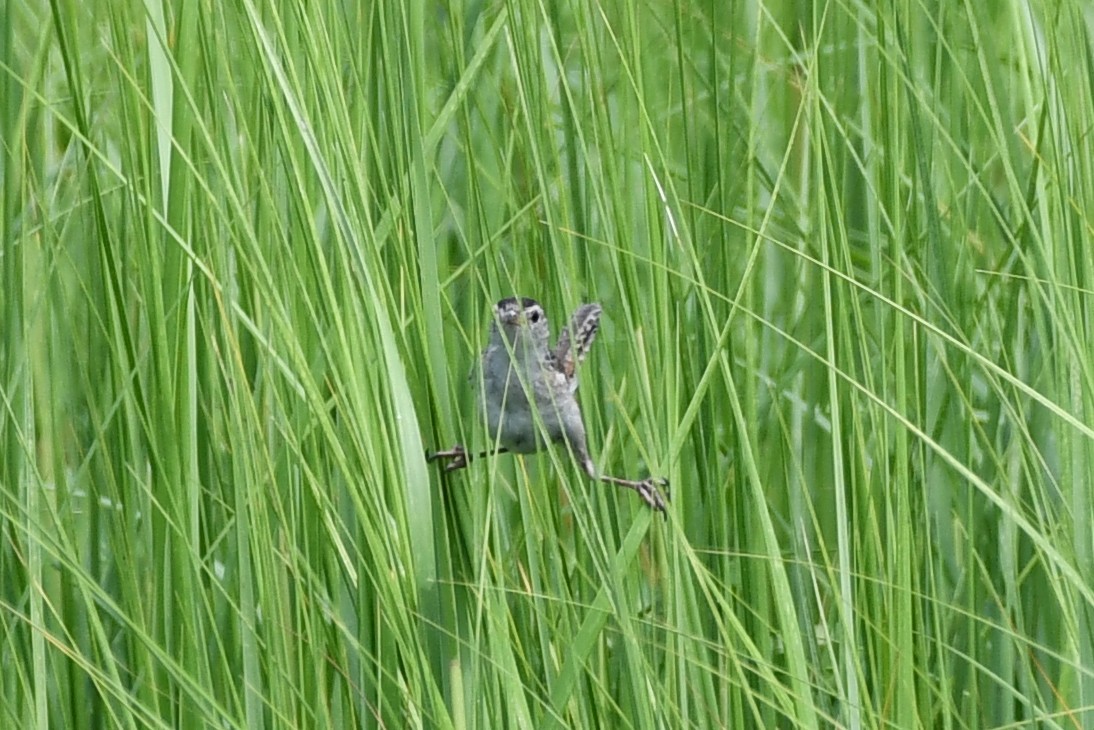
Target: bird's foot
point(454, 458)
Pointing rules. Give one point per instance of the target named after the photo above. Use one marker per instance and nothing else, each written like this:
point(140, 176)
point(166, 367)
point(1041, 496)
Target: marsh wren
point(521, 376)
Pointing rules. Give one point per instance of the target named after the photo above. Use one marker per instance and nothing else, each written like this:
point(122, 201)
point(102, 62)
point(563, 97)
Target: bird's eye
point(534, 316)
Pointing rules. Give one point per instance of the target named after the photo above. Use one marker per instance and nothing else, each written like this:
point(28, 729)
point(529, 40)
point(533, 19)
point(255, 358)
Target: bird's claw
point(454, 458)
point(651, 495)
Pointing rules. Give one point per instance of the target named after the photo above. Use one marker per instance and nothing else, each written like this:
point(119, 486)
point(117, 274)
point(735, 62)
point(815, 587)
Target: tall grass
point(248, 256)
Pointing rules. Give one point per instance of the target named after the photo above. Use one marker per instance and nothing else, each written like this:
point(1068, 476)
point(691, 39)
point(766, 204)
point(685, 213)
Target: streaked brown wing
point(574, 340)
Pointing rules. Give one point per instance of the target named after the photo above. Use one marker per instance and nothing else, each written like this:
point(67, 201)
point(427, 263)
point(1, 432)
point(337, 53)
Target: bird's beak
point(509, 317)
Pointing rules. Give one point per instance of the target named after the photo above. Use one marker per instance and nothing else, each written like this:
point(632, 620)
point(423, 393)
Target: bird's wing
point(574, 341)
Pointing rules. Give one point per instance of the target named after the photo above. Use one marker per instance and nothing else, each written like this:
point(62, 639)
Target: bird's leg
point(457, 457)
point(647, 488)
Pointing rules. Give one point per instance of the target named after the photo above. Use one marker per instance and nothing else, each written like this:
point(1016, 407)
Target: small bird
point(519, 368)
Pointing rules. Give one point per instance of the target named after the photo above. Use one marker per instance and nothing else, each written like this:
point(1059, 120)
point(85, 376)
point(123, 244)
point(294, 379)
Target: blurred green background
point(248, 256)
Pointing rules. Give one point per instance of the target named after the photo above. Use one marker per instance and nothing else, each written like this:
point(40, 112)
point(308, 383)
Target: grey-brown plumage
point(518, 368)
